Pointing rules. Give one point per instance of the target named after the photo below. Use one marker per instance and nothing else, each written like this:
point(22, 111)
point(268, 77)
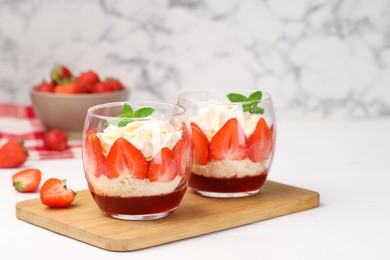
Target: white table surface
point(347, 162)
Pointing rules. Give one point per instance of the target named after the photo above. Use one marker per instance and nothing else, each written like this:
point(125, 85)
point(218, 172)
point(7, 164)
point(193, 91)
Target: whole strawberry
point(86, 81)
point(46, 87)
point(102, 87)
point(59, 73)
point(13, 154)
point(26, 180)
point(67, 87)
point(55, 140)
point(115, 83)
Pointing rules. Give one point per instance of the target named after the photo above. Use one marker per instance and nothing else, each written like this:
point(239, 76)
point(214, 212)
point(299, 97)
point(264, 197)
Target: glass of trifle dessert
point(233, 140)
point(137, 158)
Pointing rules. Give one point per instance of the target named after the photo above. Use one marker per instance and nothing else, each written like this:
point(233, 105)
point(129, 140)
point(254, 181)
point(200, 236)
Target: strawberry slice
point(229, 143)
point(163, 166)
point(27, 180)
point(96, 162)
point(260, 143)
point(200, 145)
point(55, 194)
point(180, 156)
point(125, 158)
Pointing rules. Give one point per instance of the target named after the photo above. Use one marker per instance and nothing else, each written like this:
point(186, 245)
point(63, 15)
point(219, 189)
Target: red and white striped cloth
point(20, 122)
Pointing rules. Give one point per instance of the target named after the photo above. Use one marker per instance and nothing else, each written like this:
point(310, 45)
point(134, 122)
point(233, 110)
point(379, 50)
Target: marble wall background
point(318, 58)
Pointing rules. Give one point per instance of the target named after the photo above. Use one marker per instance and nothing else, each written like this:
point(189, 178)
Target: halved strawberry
point(180, 156)
point(125, 158)
point(163, 166)
point(260, 143)
point(55, 194)
point(200, 145)
point(27, 180)
point(229, 142)
point(96, 161)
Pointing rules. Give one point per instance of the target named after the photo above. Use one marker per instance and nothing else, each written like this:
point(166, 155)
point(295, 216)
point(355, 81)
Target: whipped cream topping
point(211, 118)
point(148, 136)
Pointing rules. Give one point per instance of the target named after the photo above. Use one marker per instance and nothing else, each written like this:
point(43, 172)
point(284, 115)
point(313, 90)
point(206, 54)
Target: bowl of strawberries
point(62, 101)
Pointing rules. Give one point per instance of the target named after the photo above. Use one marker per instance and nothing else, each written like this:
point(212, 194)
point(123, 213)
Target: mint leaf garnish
point(128, 114)
point(246, 108)
point(257, 110)
point(124, 123)
point(143, 112)
point(234, 97)
point(127, 110)
point(252, 107)
point(255, 96)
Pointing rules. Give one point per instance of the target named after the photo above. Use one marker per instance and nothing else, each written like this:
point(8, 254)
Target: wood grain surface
point(195, 216)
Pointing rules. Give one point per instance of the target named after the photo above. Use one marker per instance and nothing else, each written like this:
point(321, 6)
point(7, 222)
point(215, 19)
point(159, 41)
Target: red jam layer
point(139, 205)
point(227, 185)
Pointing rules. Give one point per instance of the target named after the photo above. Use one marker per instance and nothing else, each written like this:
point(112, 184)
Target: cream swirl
point(149, 136)
point(211, 118)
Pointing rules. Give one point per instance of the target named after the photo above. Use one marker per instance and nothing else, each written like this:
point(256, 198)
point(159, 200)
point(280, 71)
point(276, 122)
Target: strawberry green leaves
point(129, 114)
point(251, 102)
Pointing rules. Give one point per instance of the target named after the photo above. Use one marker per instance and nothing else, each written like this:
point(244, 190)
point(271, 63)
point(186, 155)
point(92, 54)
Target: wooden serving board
point(195, 216)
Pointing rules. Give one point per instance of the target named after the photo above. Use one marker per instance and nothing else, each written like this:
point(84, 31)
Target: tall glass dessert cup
point(137, 158)
point(233, 140)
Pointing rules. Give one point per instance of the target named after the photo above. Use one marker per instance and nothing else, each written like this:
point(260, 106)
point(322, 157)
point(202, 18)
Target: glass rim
point(91, 110)
point(265, 96)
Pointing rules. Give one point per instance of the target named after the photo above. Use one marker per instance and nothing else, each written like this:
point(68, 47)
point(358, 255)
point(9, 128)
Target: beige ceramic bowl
point(67, 112)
